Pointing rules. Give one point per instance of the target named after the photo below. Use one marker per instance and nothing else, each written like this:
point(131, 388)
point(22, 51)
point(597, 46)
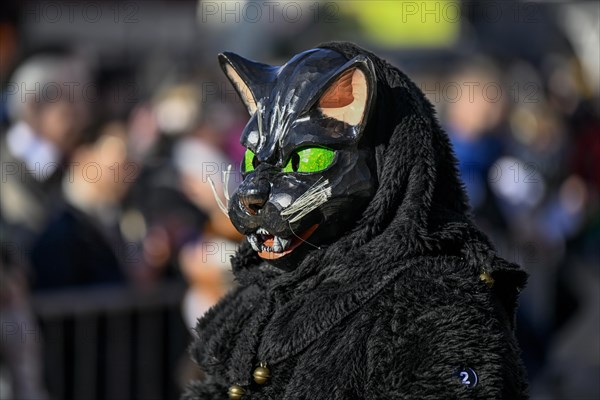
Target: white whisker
point(222, 207)
point(305, 241)
point(316, 195)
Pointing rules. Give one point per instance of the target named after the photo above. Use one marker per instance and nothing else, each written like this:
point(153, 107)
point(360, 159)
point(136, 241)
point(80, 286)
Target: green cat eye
point(309, 159)
point(248, 161)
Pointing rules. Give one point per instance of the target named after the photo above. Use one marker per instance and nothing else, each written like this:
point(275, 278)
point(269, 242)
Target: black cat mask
point(307, 173)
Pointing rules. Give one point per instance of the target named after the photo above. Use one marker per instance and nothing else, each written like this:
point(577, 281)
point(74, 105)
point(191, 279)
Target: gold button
point(261, 374)
point(236, 392)
point(487, 279)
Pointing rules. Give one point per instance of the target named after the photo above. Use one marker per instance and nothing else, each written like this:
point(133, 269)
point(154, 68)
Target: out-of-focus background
point(115, 119)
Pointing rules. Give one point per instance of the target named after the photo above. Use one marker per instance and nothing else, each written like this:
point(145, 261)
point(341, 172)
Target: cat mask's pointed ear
point(349, 94)
point(249, 78)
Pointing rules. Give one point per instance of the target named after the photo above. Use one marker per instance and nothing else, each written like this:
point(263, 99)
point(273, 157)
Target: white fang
point(316, 195)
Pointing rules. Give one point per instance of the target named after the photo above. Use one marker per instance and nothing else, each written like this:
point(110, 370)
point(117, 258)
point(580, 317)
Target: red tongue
point(269, 241)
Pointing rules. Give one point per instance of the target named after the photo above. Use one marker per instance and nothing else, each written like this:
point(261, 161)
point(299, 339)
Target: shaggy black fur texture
point(396, 307)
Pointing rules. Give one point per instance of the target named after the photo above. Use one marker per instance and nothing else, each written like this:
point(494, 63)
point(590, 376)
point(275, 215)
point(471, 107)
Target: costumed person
point(363, 275)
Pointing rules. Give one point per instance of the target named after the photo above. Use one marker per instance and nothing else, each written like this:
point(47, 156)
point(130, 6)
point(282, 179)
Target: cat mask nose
point(253, 195)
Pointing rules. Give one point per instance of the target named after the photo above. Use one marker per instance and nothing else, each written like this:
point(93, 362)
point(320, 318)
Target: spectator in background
point(169, 219)
point(48, 113)
point(83, 245)
point(205, 262)
point(473, 122)
point(201, 158)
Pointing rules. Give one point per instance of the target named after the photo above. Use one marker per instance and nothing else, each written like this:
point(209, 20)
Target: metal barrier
point(113, 343)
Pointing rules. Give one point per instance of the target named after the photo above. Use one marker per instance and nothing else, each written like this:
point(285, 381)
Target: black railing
point(113, 343)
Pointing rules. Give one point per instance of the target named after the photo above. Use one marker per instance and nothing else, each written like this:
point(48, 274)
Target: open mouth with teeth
point(272, 247)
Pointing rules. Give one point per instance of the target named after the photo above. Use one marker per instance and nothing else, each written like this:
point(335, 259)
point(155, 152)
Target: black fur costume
point(397, 308)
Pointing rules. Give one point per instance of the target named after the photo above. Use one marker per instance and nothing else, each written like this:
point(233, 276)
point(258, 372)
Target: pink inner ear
point(346, 99)
point(245, 93)
point(339, 94)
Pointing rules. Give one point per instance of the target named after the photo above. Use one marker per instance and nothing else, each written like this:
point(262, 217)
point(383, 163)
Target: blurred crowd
point(109, 174)
point(93, 200)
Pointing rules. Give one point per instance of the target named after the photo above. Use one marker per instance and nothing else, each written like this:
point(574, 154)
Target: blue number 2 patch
point(468, 377)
